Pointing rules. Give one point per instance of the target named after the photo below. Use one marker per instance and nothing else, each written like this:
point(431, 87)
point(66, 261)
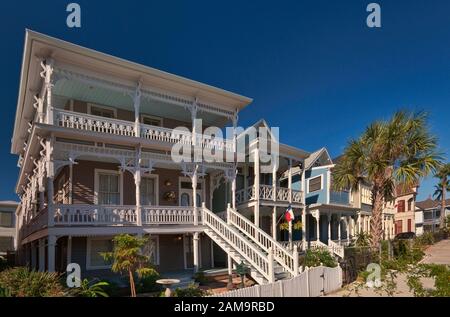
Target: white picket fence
point(312, 282)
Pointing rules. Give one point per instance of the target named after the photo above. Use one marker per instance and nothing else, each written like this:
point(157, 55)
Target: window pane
point(109, 193)
point(315, 184)
point(98, 246)
point(6, 219)
point(148, 191)
point(185, 201)
point(6, 244)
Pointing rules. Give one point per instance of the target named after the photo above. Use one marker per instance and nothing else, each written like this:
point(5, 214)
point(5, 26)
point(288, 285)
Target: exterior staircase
point(245, 243)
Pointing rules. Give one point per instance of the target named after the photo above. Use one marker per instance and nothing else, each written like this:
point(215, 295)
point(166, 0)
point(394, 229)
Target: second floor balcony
point(269, 193)
point(339, 197)
point(117, 127)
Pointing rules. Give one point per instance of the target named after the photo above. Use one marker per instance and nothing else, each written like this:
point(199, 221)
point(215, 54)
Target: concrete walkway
point(438, 253)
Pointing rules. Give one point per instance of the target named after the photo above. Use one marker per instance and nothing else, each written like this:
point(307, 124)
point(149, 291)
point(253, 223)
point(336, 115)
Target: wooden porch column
point(50, 179)
point(41, 247)
point(137, 183)
point(318, 226)
point(274, 198)
point(137, 105)
point(329, 226)
point(339, 226)
point(290, 199)
point(195, 247)
point(51, 251)
point(304, 207)
point(48, 86)
point(194, 194)
point(256, 184)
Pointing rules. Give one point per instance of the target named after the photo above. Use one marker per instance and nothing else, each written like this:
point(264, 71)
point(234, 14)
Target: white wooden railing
point(266, 192)
point(255, 257)
point(332, 247)
point(287, 259)
point(87, 122)
point(164, 215)
point(287, 244)
point(336, 248)
point(94, 215)
point(155, 133)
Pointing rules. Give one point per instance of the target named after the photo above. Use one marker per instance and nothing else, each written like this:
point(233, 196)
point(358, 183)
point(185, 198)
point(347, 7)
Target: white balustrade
point(281, 255)
point(297, 243)
point(94, 215)
point(266, 192)
point(87, 122)
point(165, 135)
point(167, 215)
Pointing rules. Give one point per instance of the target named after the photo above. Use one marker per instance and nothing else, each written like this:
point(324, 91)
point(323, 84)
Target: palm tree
point(438, 191)
point(443, 173)
point(400, 150)
point(127, 257)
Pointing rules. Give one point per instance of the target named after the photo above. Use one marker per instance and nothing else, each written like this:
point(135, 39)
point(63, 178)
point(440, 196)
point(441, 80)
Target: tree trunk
point(443, 196)
point(132, 286)
point(376, 225)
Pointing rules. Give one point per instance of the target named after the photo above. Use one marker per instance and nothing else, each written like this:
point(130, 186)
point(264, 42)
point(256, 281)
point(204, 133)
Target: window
point(315, 184)
point(6, 219)
point(102, 111)
point(155, 121)
point(148, 191)
point(151, 249)
point(188, 185)
point(95, 247)
point(185, 201)
point(401, 206)
point(409, 225)
point(6, 244)
point(410, 203)
point(398, 227)
point(108, 185)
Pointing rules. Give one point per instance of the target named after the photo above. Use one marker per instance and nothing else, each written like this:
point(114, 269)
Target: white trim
point(160, 119)
point(90, 105)
point(329, 186)
point(71, 103)
point(69, 249)
point(89, 267)
point(321, 183)
point(156, 178)
point(322, 167)
point(96, 183)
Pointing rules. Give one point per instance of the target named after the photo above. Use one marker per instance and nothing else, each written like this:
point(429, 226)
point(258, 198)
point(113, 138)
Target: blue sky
point(313, 68)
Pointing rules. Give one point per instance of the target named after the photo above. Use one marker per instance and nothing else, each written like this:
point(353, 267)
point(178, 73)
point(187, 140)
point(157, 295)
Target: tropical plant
point(242, 270)
point(93, 288)
point(191, 291)
point(146, 280)
point(21, 282)
point(444, 185)
point(389, 153)
point(318, 257)
point(363, 239)
point(127, 257)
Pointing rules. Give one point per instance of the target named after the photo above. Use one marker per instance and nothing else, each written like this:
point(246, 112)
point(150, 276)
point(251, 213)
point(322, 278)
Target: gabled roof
point(431, 203)
point(316, 156)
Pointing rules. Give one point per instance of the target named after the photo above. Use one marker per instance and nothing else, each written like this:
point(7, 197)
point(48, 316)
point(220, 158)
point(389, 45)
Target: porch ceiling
point(72, 89)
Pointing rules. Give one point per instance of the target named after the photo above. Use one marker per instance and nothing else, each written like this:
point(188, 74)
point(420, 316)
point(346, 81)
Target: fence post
point(295, 255)
point(306, 271)
point(281, 288)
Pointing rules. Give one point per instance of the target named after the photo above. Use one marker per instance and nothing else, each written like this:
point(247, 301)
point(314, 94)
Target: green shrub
point(91, 288)
point(200, 278)
point(318, 257)
point(191, 291)
point(146, 281)
point(426, 239)
point(21, 282)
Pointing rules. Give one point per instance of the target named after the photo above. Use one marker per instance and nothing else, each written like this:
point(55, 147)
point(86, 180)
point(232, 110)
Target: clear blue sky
point(313, 67)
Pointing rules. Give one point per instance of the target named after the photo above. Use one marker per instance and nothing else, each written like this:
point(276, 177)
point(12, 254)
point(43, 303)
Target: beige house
point(7, 226)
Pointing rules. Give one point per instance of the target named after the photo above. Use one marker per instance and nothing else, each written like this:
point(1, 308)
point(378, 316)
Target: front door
point(185, 188)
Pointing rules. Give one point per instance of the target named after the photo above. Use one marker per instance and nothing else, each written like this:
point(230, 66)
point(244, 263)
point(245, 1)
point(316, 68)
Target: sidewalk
point(438, 253)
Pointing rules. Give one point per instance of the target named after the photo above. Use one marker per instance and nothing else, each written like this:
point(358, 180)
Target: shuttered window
point(108, 189)
point(315, 184)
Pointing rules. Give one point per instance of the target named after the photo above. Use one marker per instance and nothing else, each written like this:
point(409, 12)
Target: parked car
point(405, 236)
